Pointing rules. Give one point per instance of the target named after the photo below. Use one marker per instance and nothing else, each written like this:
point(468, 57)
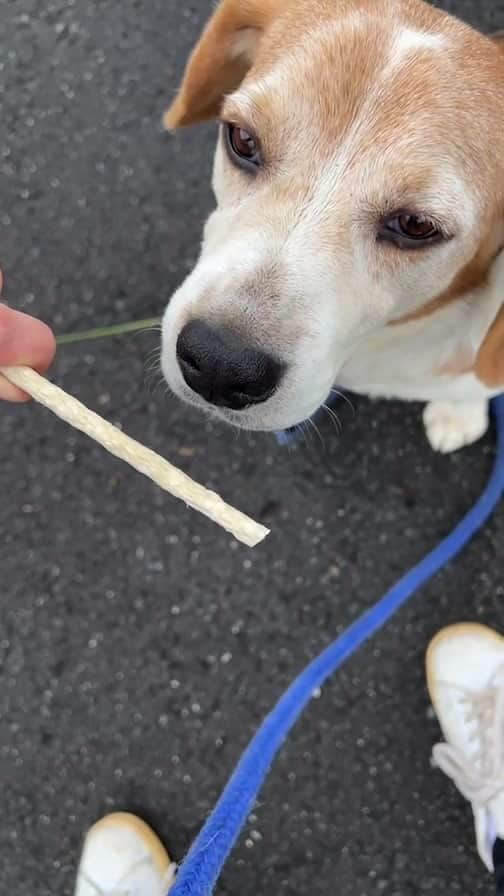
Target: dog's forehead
point(377, 80)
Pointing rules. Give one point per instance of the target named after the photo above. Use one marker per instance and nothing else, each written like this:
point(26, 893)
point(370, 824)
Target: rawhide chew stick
point(138, 456)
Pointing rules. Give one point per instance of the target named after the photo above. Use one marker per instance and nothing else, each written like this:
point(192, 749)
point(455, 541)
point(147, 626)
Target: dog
point(359, 230)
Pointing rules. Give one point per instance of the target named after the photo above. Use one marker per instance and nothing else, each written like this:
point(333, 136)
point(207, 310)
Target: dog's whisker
point(333, 416)
point(153, 369)
point(152, 328)
point(345, 398)
point(138, 333)
point(315, 428)
point(161, 383)
point(153, 375)
point(154, 353)
point(152, 386)
point(152, 372)
point(153, 362)
point(307, 434)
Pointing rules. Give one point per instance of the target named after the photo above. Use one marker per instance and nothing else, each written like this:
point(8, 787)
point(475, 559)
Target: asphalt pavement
point(140, 646)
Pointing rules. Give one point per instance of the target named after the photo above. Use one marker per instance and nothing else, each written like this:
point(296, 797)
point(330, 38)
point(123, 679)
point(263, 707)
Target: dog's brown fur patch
point(489, 366)
point(472, 277)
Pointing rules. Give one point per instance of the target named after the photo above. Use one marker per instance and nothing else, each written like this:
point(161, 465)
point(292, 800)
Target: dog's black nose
point(223, 369)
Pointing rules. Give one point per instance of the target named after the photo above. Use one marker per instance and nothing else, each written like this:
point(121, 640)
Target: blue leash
point(199, 871)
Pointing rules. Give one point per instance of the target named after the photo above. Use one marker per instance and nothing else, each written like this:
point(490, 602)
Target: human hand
point(23, 340)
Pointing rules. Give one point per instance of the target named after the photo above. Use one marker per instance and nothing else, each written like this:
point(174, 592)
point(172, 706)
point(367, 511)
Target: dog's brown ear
point(489, 364)
point(220, 60)
point(489, 367)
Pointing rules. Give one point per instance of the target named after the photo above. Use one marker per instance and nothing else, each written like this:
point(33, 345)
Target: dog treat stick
point(138, 456)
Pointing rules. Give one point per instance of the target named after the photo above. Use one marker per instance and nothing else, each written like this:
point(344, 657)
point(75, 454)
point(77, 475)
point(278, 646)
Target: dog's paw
point(451, 425)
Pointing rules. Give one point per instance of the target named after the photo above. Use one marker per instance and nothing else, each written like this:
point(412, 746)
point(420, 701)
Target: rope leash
point(199, 871)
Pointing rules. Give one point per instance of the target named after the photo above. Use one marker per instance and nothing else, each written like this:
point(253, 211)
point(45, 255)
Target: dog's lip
point(239, 419)
point(242, 419)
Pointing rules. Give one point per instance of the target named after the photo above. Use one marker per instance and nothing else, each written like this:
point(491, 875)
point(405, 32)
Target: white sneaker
point(465, 677)
point(122, 856)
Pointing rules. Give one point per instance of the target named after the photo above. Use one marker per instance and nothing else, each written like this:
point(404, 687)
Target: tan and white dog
point(359, 230)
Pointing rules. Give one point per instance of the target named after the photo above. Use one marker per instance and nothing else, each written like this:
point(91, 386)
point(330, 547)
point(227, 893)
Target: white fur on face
point(409, 41)
point(292, 259)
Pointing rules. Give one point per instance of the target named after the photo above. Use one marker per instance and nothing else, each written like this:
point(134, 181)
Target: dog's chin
point(265, 418)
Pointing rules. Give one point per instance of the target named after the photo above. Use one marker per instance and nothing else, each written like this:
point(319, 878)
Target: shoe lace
point(479, 778)
point(122, 888)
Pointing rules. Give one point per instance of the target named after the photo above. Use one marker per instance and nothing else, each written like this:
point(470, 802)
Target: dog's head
point(359, 177)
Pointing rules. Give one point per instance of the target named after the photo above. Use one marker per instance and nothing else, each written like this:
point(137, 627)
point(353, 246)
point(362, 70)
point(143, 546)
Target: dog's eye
point(243, 148)
point(409, 230)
